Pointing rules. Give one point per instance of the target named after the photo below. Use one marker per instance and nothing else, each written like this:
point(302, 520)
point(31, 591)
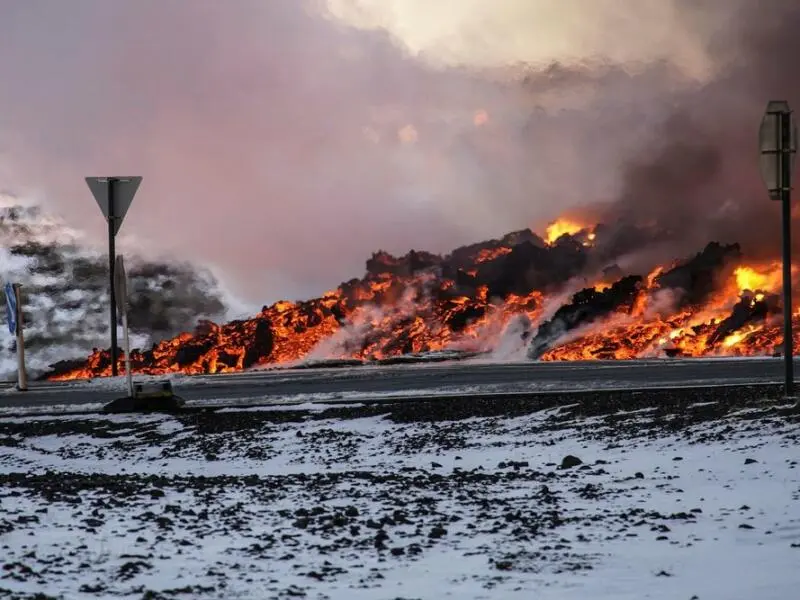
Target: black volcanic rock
point(404, 266)
point(190, 352)
point(586, 306)
point(570, 461)
point(700, 276)
point(530, 267)
point(462, 316)
point(748, 310)
point(262, 344)
point(63, 366)
point(524, 235)
point(464, 257)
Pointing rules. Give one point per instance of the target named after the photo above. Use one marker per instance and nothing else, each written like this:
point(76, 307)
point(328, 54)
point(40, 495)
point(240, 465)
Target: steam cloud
point(283, 141)
point(65, 292)
point(700, 180)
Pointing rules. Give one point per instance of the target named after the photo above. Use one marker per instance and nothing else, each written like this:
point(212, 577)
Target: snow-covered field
point(412, 501)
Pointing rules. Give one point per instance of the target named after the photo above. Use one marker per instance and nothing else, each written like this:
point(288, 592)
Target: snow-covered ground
point(360, 502)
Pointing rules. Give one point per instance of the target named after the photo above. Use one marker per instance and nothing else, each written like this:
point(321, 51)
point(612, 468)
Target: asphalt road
point(462, 378)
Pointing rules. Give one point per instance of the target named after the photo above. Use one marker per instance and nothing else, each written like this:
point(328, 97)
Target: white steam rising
point(281, 142)
point(65, 291)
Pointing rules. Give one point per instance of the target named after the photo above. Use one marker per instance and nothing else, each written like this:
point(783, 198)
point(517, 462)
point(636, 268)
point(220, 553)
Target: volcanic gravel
point(492, 498)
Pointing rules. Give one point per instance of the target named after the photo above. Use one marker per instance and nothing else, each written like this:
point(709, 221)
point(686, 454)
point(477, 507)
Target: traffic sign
point(11, 308)
point(777, 138)
point(114, 195)
point(120, 284)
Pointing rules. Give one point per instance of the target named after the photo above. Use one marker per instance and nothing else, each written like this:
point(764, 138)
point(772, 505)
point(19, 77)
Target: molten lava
point(556, 297)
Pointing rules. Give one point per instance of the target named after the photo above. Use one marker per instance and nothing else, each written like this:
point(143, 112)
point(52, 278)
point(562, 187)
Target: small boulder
point(570, 462)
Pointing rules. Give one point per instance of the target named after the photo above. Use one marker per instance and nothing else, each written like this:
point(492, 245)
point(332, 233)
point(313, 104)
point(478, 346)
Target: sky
point(283, 141)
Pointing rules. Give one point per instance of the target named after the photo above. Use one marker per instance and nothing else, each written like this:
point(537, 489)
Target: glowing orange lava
point(480, 295)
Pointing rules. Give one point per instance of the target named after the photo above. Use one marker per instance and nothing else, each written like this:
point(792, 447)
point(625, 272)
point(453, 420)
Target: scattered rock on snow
point(570, 461)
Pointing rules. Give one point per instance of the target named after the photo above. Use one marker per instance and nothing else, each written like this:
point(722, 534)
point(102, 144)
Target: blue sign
point(11, 308)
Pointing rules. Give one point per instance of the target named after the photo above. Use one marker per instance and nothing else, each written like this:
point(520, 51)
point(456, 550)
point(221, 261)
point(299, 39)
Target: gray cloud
point(539, 32)
point(700, 176)
point(270, 134)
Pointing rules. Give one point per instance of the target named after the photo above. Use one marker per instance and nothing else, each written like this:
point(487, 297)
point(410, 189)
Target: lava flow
point(561, 297)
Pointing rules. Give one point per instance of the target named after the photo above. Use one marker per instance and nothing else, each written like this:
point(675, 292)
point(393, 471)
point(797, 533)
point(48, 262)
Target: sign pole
point(111, 264)
point(114, 196)
point(777, 139)
point(785, 145)
point(22, 376)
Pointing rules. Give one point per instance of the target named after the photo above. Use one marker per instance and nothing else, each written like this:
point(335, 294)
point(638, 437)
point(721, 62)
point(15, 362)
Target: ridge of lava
point(562, 297)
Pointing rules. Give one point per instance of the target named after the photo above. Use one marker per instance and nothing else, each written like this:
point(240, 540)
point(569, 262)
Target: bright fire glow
point(735, 338)
point(560, 227)
point(764, 279)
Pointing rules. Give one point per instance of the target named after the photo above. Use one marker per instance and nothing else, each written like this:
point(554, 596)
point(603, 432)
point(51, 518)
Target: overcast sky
point(283, 141)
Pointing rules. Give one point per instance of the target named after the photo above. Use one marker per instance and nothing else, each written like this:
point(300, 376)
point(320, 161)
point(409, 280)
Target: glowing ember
point(488, 254)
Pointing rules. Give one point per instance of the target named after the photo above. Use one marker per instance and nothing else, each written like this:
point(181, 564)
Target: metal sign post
point(121, 288)
point(777, 138)
point(114, 195)
point(15, 327)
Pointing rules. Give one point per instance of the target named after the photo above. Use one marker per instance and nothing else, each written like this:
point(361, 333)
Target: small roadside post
point(121, 289)
point(777, 139)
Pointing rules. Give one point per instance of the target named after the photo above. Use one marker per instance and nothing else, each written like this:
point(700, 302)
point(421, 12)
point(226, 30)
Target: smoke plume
point(282, 141)
point(65, 291)
point(700, 178)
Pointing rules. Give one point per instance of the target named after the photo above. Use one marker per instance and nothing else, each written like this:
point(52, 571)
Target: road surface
point(460, 378)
